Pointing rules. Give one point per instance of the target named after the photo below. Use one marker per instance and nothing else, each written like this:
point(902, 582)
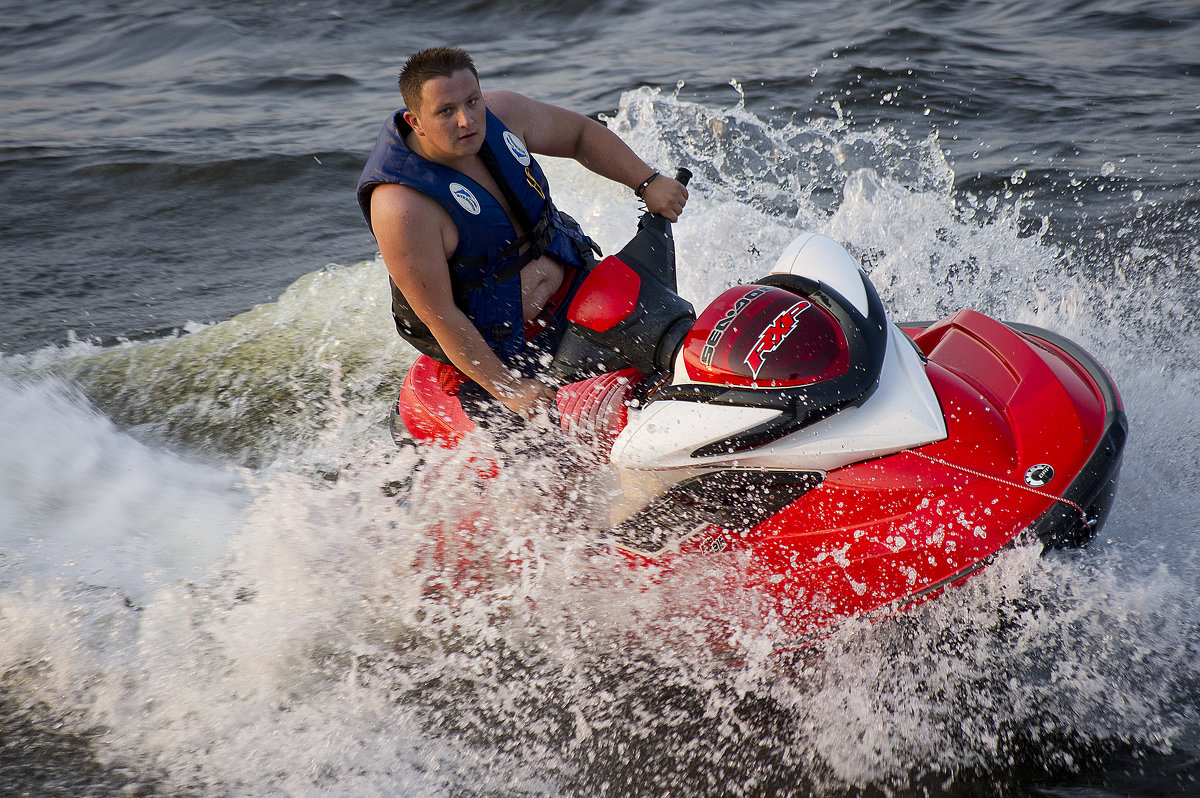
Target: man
point(483, 266)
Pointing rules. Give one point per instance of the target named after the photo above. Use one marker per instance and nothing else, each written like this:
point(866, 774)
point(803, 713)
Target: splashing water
point(242, 587)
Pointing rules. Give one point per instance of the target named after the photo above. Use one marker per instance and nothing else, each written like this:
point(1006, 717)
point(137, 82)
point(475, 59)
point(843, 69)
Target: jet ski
point(857, 466)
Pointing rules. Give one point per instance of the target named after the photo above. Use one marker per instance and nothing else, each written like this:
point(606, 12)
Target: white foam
point(285, 636)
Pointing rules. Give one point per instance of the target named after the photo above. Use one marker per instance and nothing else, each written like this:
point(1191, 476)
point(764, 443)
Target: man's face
point(452, 118)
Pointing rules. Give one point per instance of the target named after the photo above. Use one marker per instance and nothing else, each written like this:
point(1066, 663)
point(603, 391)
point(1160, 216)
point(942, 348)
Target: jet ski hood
point(765, 336)
point(802, 367)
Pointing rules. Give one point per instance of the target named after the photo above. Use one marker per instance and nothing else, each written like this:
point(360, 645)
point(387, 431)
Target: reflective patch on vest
point(517, 148)
point(464, 197)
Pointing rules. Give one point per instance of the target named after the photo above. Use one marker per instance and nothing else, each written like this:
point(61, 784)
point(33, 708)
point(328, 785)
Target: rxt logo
point(773, 337)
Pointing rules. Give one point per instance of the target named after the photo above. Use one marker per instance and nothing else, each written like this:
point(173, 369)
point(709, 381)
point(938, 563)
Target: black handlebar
point(661, 315)
point(683, 175)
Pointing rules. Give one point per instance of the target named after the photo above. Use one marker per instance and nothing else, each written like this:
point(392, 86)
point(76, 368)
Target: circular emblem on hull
point(464, 197)
point(516, 148)
point(1039, 475)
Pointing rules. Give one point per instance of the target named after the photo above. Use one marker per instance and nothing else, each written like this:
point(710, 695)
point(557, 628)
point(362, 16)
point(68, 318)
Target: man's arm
point(413, 233)
point(558, 132)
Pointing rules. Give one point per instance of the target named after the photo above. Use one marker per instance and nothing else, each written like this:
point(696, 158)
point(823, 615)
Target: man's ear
point(414, 122)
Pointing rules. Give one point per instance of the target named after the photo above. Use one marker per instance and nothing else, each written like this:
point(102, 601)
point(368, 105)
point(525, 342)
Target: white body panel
point(821, 258)
point(902, 412)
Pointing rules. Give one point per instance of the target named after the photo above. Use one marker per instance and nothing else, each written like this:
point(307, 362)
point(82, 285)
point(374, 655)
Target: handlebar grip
point(683, 175)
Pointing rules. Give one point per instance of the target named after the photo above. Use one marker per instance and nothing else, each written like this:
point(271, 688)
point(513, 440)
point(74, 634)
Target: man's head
point(445, 107)
point(436, 62)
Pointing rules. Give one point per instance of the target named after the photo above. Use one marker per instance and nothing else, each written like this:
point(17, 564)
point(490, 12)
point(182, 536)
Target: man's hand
point(666, 197)
point(527, 398)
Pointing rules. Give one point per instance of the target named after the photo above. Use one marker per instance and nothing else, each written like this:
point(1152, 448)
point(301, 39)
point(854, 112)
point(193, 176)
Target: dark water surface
point(203, 588)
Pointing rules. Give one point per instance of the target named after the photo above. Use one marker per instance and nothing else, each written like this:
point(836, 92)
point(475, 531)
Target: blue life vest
point(485, 269)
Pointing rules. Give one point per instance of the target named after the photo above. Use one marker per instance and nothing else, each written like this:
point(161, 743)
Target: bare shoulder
point(407, 219)
point(392, 202)
point(546, 129)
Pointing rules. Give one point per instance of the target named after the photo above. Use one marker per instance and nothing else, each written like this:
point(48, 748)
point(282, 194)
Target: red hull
point(882, 535)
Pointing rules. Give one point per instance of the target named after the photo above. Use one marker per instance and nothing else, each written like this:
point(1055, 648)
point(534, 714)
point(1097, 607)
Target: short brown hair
point(424, 66)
